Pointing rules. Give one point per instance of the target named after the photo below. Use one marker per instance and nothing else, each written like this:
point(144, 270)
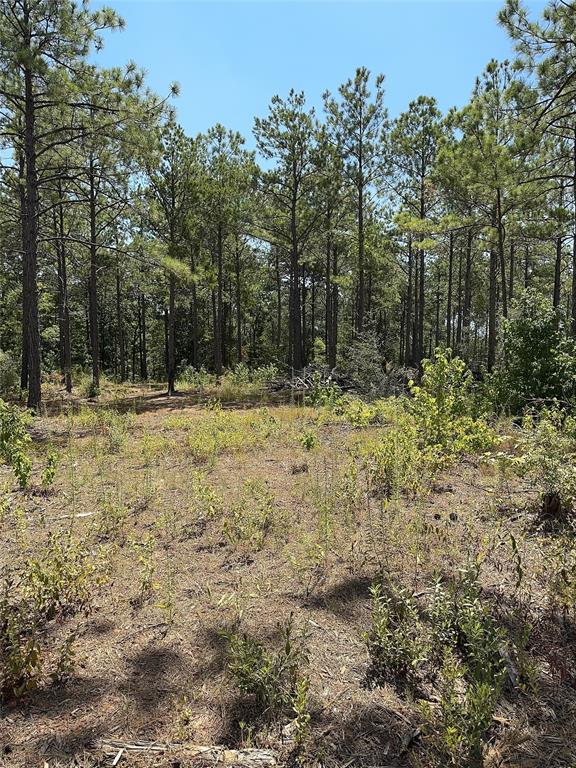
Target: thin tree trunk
point(144, 364)
point(93, 282)
point(333, 346)
point(30, 237)
point(120, 327)
point(408, 359)
point(238, 305)
point(493, 289)
point(574, 236)
point(459, 318)
point(217, 306)
point(171, 333)
point(449, 296)
point(467, 288)
point(512, 270)
point(501, 255)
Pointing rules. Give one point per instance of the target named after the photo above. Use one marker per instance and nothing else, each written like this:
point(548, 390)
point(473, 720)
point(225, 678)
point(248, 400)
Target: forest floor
point(186, 521)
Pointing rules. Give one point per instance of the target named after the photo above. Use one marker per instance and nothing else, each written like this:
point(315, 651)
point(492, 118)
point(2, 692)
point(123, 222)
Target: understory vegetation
point(344, 577)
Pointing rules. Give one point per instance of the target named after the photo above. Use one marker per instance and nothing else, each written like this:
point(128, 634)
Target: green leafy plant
point(547, 456)
point(14, 441)
point(251, 516)
point(272, 678)
point(443, 408)
point(49, 471)
point(394, 639)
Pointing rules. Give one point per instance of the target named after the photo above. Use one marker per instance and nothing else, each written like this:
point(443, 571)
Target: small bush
point(538, 357)
point(272, 678)
point(443, 408)
point(9, 375)
point(251, 516)
point(58, 582)
point(457, 728)
point(14, 441)
point(394, 642)
point(547, 456)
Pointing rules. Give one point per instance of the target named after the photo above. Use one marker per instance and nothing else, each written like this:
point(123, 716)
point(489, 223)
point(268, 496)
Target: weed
point(309, 439)
point(272, 678)
point(394, 640)
point(251, 516)
point(49, 471)
point(14, 441)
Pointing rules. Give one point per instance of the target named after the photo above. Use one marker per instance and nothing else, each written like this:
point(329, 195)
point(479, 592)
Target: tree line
point(131, 248)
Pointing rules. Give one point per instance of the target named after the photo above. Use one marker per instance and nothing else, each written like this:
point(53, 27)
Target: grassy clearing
point(342, 583)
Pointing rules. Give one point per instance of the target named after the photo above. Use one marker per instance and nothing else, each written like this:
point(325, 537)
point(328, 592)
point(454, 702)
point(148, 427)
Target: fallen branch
point(251, 758)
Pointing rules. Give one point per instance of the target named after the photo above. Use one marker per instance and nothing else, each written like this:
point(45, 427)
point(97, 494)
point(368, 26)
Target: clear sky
point(230, 58)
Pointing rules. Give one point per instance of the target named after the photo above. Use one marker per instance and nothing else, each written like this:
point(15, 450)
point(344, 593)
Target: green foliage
point(362, 361)
point(14, 441)
point(538, 359)
point(442, 408)
point(59, 581)
point(464, 715)
point(49, 471)
point(394, 642)
point(272, 678)
point(309, 439)
point(323, 392)
point(251, 516)
point(9, 375)
point(470, 646)
point(547, 456)
point(396, 463)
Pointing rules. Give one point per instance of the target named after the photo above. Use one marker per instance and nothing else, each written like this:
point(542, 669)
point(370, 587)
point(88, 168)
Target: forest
point(133, 251)
point(287, 434)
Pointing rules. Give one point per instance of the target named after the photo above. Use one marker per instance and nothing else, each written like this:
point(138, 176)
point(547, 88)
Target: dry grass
point(151, 494)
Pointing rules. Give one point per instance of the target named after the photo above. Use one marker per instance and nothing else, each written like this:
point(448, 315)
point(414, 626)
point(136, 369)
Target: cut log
point(251, 758)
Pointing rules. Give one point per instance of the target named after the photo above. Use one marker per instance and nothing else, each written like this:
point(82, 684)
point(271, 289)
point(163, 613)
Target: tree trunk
point(449, 296)
point(501, 255)
point(30, 238)
point(459, 319)
point(120, 327)
point(93, 282)
point(493, 290)
point(217, 306)
point(574, 237)
point(408, 360)
point(144, 361)
point(361, 252)
point(333, 344)
point(295, 313)
point(467, 289)
point(171, 333)
point(238, 305)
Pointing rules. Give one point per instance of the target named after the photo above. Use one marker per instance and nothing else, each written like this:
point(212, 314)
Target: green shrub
point(395, 462)
point(9, 374)
point(458, 726)
point(272, 678)
point(460, 620)
point(538, 360)
point(547, 456)
point(443, 408)
point(58, 582)
point(14, 441)
point(251, 516)
point(394, 643)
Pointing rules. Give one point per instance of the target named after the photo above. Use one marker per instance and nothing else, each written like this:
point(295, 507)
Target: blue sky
point(230, 58)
